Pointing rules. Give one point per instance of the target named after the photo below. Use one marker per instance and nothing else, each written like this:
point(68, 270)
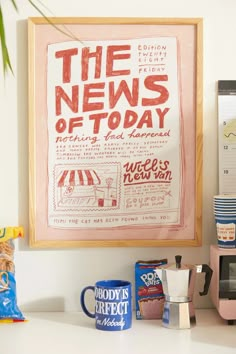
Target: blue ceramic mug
point(113, 304)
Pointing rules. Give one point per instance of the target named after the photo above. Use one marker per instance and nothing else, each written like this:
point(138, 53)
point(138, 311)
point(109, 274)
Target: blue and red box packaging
point(149, 296)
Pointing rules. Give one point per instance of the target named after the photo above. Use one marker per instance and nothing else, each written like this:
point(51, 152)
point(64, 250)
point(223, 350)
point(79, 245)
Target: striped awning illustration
point(78, 178)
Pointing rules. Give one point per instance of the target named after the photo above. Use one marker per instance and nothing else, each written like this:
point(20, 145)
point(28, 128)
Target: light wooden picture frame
point(115, 132)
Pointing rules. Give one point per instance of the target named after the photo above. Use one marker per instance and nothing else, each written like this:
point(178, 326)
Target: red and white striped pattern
point(78, 178)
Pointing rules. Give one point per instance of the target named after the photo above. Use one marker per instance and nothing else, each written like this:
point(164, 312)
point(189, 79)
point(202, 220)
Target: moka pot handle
point(204, 268)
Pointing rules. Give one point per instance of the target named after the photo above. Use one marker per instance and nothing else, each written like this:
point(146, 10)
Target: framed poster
point(115, 132)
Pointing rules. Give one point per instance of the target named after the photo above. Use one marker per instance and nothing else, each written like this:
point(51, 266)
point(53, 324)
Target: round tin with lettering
point(226, 231)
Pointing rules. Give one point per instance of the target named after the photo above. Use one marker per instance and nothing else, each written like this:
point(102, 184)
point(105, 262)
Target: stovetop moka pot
point(178, 281)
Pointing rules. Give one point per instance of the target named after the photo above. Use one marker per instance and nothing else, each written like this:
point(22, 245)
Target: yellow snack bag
point(7, 233)
point(9, 310)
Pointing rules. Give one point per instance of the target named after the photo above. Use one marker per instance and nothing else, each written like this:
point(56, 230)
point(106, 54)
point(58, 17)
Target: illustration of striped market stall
point(85, 188)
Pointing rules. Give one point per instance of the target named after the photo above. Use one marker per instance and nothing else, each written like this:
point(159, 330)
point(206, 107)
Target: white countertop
point(74, 333)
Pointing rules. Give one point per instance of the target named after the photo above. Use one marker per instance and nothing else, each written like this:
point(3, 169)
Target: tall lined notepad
point(227, 136)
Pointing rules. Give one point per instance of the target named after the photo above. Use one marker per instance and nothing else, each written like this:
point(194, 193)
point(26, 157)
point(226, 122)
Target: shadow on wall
point(53, 304)
point(53, 310)
point(22, 110)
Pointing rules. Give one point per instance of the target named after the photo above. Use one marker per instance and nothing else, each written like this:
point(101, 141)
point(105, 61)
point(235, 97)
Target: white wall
point(53, 279)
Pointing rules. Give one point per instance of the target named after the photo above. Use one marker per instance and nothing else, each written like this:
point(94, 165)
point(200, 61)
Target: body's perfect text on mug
point(110, 301)
point(113, 304)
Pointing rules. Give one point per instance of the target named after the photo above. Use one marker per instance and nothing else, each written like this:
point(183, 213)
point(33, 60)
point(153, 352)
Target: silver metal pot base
point(178, 315)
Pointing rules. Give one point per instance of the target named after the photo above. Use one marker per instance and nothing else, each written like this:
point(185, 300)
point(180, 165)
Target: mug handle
point(82, 302)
